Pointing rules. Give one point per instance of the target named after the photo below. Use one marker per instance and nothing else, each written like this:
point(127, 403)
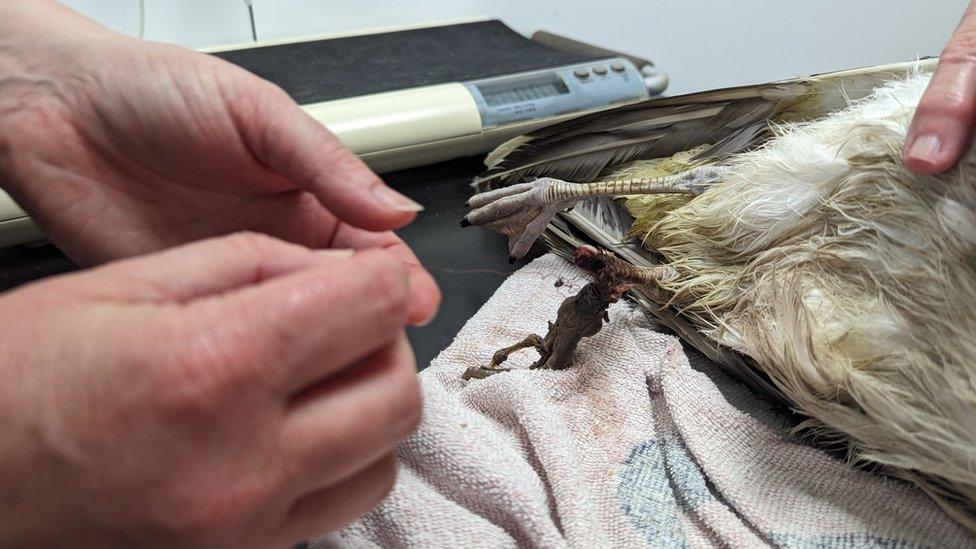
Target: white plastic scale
point(424, 124)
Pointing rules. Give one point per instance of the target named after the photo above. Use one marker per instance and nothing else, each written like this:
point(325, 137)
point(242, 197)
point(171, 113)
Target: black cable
point(250, 12)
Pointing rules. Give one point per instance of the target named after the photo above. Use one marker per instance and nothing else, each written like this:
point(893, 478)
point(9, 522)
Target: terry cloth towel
point(631, 446)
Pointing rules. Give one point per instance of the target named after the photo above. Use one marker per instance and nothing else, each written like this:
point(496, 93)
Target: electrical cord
point(250, 13)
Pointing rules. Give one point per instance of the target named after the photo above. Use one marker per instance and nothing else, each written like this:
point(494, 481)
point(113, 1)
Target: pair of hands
point(241, 390)
point(245, 389)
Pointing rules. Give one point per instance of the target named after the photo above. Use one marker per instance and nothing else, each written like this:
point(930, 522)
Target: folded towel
point(631, 446)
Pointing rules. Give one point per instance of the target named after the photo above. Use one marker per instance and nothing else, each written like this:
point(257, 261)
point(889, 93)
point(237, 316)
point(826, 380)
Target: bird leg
point(617, 271)
point(606, 266)
point(581, 315)
point(522, 211)
point(501, 355)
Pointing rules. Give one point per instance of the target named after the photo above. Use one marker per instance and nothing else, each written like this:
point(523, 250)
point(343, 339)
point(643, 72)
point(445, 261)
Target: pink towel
point(631, 446)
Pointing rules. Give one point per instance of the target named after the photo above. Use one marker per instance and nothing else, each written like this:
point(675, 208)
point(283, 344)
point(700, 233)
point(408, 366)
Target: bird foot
point(481, 372)
point(520, 212)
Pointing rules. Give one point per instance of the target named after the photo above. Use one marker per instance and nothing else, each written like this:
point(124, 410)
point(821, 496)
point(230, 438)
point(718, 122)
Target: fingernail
point(926, 148)
point(396, 200)
point(425, 322)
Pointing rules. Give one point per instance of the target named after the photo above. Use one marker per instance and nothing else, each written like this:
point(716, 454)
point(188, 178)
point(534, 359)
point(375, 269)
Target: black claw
point(465, 223)
point(511, 260)
point(467, 204)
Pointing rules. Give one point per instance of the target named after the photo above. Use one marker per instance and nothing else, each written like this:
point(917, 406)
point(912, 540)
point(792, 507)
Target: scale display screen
point(522, 90)
point(547, 93)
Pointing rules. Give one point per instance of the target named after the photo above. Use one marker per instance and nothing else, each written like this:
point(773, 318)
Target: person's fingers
point(302, 220)
point(333, 429)
point(296, 329)
point(331, 508)
point(943, 124)
point(201, 268)
point(425, 296)
point(295, 145)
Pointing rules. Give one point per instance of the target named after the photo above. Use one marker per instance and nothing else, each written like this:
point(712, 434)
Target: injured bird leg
point(581, 315)
point(501, 355)
point(522, 211)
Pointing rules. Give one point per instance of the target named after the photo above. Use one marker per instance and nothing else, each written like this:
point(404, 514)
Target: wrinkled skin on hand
point(235, 392)
point(240, 391)
point(943, 124)
point(118, 146)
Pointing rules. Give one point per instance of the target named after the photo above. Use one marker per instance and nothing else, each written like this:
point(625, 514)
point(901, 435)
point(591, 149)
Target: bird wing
point(727, 120)
point(714, 124)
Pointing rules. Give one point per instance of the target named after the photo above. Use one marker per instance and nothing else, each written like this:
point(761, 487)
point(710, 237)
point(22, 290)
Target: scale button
point(617, 67)
point(599, 69)
point(581, 73)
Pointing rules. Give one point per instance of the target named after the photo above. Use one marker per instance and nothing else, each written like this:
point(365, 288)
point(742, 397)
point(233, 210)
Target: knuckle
point(961, 47)
point(201, 518)
point(408, 410)
point(269, 92)
point(955, 103)
point(959, 55)
point(335, 154)
point(951, 102)
point(201, 370)
point(370, 181)
point(952, 89)
point(387, 280)
point(190, 391)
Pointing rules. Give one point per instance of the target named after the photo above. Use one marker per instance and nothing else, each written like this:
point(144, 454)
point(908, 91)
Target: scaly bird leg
point(522, 211)
point(610, 270)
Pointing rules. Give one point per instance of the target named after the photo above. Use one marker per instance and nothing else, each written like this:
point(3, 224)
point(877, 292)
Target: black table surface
point(350, 66)
point(468, 264)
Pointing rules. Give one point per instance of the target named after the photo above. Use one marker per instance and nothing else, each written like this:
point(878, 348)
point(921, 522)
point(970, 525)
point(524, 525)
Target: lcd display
point(522, 90)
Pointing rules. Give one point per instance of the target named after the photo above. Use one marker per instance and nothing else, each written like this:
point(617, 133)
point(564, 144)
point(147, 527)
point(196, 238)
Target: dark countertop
point(350, 66)
point(469, 264)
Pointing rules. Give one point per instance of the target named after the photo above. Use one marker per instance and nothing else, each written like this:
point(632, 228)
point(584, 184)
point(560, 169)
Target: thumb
point(299, 148)
point(943, 123)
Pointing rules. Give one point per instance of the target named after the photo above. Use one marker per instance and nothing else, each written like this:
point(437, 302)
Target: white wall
point(193, 23)
point(700, 43)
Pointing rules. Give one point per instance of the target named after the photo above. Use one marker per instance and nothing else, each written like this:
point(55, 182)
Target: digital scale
point(417, 96)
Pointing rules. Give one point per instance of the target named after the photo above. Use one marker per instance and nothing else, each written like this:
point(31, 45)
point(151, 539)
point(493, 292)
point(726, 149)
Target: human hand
point(942, 128)
point(118, 147)
point(238, 391)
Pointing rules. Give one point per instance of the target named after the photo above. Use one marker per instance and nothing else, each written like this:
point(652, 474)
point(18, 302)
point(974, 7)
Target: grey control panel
point(549, 92)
